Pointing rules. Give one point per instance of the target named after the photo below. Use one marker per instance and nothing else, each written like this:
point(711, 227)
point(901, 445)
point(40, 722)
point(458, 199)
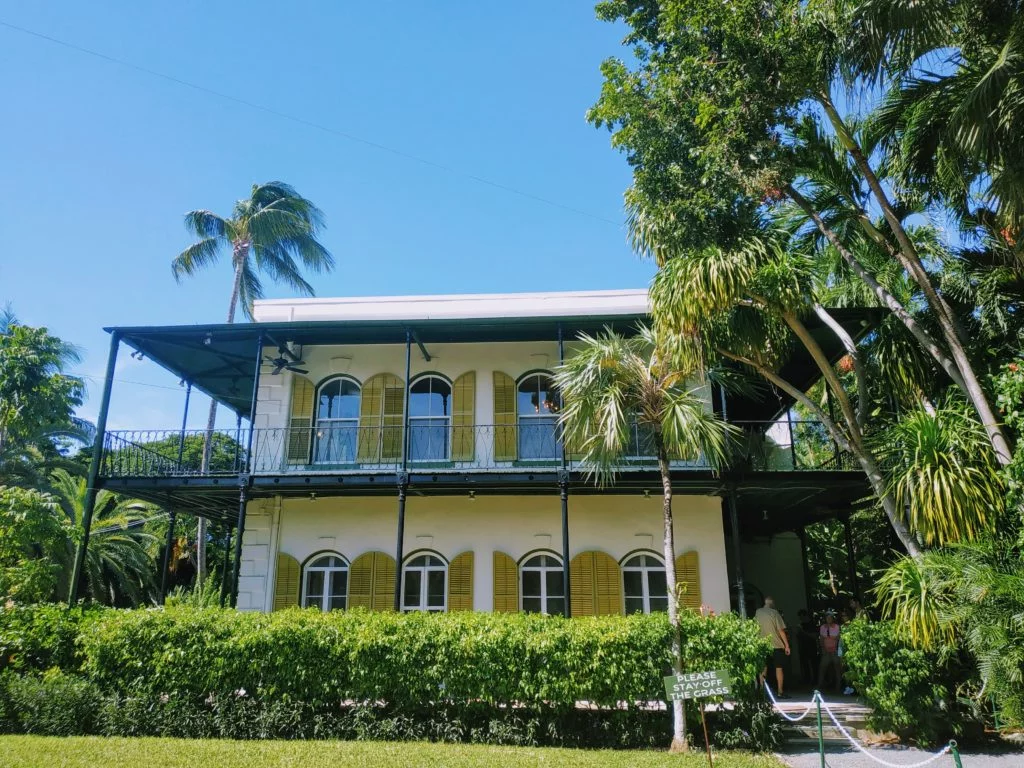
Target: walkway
point(836, 756)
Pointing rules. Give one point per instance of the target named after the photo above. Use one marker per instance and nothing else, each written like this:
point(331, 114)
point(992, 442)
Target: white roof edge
point(456, 306)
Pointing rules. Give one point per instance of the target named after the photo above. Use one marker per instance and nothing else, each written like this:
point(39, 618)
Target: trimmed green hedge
point(413, 674)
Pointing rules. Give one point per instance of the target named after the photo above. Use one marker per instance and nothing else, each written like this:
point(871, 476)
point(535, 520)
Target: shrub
point(496, 678)
point(39, 637)
point(55, 704)
point(911, 691)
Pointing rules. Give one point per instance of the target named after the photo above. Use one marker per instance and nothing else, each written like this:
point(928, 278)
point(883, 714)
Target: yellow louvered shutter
point(371, 582)
point(300, 427)
point(581, 584)
point(382, 401)
point(595, 585)
point(460, 583)
point(463, 414)
point(504, 417)
point(688, 575)
point(607, 585)
point(287, 578)
point(506, 584)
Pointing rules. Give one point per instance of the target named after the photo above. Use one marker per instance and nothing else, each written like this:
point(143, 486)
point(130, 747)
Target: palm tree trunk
point(240, 253)
point(678, 717)
point(908, 257)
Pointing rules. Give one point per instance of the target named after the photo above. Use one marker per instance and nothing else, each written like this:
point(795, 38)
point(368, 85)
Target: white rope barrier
point(878, 760)
point(778, 709)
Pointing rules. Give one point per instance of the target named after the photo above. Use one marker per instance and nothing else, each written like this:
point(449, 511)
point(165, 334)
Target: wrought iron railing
point(437, 446)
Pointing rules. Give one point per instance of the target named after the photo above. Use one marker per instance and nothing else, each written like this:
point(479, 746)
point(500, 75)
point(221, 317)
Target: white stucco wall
point(449, 525)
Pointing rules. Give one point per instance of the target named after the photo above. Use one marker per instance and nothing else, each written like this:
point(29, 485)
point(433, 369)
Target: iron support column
point(94, 469)
point(851, 557)
point(165, 568)
point(243, 478)
point(737, 551)
point(802, 533)
point(403, 477)
point(184, 424)
point(563, 491)
point(792, 437)
point(225, 572)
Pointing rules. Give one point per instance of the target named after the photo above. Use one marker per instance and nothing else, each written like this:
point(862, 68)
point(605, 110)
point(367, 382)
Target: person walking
point(773, 626)
point(828, 642)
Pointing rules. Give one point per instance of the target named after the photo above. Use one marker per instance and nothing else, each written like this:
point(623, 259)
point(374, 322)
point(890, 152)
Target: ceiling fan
point(284, 363)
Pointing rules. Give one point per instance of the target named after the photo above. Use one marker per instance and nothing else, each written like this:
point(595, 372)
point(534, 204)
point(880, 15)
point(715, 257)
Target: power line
point(308, 123)
point(128, 381)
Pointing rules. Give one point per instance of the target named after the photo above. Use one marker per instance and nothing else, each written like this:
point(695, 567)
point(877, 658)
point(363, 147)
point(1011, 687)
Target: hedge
point(359, 672)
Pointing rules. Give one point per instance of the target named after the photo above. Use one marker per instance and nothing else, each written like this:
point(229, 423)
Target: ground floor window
point(643, 581)
point(543, 585)
point(325, 585)
point(424, 584)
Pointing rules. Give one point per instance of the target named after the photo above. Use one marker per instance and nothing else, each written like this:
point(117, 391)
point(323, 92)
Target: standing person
point(858, 610)
point(807, 644)
point(828, 641)
point(774, 628)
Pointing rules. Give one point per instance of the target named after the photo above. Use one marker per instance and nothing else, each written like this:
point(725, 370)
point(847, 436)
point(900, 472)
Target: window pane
point(418, 562)
point(554, 583)
point(656, 584)
point(337, 603)
point(634, 605)
point(537, 438)
point(430, 397)
point(339, 583)
point(531, 605)
point(435, 589)
point(428, 439)
point(312, 601)
point(632, 580)
point(411, 595)
point(314, 582)
point(528, 396)
point(548, 396)
point(336, 441)
point(556, 606)
point(659, 603)
point(531, 584)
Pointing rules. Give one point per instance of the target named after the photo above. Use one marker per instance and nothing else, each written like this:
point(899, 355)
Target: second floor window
point(537, 406)
point(337, 422)
point(543, 585)
point(430, 416)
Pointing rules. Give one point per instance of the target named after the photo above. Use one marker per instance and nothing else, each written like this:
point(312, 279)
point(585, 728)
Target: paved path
point(799, 756)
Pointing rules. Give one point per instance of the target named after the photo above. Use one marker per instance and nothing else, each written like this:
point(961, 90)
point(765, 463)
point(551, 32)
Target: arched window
point(325, 583)
point(337, 421)
point(643, 581)
point(537, 405)
point(542, 585)
point(425, 583)
point(430, 419)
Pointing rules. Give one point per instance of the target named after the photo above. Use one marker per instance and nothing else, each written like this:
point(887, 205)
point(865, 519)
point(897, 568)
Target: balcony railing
point(434, 446)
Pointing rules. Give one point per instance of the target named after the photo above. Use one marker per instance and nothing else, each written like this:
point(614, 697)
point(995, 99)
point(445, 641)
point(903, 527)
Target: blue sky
point(100, 161)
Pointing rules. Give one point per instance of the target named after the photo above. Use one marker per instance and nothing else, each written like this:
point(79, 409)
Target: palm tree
point(271, 232)
point(616, 388)
point(119, 569)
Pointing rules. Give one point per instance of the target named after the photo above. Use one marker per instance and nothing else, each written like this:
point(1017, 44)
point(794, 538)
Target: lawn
point(72, 752)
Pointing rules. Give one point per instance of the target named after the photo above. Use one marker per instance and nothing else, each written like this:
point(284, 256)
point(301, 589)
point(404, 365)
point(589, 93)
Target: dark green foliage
point(913, 692)
point(492, 678)
point(54, 704)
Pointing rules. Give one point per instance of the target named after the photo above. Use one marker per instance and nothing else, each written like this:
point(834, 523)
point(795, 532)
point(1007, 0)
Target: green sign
point(698, 685)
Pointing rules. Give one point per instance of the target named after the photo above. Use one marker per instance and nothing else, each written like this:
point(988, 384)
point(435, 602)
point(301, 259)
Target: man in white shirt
point(773, 626)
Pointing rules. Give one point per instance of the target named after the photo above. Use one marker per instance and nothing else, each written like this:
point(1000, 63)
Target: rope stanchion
point(945, 750)
point(778, 709)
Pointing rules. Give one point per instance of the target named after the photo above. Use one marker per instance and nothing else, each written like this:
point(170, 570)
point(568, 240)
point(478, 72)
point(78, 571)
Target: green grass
point(72, 752)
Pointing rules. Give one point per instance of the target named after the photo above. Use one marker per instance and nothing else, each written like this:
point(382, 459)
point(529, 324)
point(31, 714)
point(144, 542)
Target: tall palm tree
point(272, 232)
point(615, 388)
point(119, 569)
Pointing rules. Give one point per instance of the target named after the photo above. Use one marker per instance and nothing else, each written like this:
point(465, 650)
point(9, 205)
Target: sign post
point(699, 685)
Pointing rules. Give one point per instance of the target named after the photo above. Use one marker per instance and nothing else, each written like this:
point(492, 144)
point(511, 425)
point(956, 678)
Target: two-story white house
point(403, 453)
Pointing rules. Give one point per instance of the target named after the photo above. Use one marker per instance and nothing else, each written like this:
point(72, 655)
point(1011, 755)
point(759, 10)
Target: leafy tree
point(119, 568)
point(613, 384)
point(266, 233)
point(33, 541)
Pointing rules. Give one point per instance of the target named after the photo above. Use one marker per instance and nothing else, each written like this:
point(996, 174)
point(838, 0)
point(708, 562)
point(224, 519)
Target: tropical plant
point(33, 539)
point(119, 569)
point(272, 232)
point(615, 387)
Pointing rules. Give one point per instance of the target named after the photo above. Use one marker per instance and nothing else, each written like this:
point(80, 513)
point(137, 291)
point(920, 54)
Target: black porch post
point(184, 424)
point(851, 556)
point(165, 568)
point(403, 476)
point(737, 551)
point(563, 492)
point(225, 572)
point(802, 533)
point(94, 469)
point(243, 478)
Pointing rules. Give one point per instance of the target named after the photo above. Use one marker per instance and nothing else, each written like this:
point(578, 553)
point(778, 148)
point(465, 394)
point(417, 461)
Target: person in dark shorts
point(807, 642)
point(773, 626)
